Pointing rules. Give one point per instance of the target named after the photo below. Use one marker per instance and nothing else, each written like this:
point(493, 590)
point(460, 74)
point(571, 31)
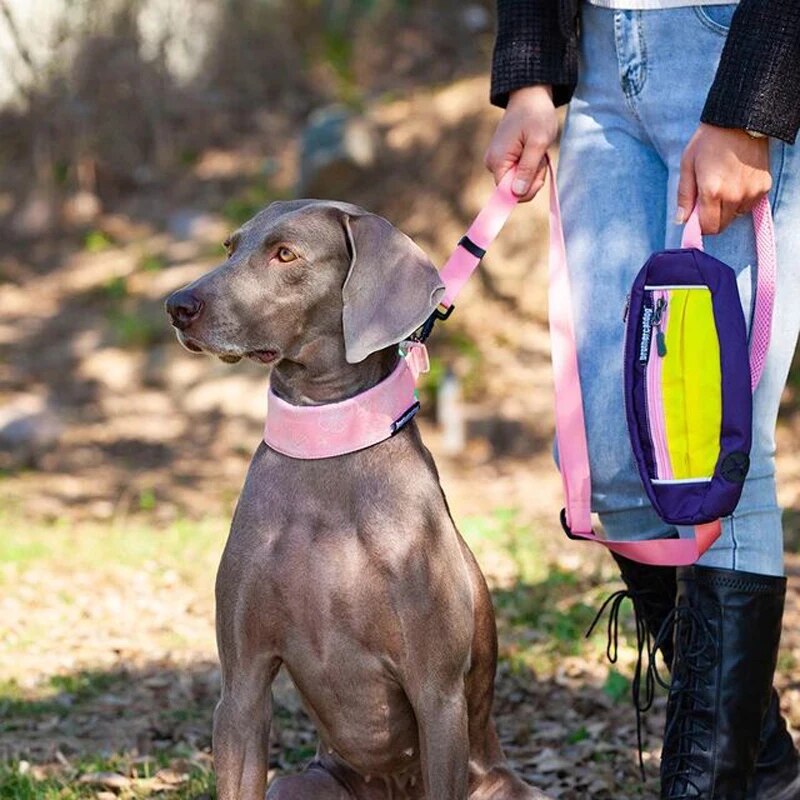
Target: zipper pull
point(627, 307)
point(658, 311)
point(661, 344)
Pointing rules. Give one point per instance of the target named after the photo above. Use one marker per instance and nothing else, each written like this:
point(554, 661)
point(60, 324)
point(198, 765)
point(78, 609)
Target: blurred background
point(134, 134)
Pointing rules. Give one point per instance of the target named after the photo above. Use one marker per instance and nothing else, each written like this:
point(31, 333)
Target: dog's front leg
point(242, 722)
point(444, 742)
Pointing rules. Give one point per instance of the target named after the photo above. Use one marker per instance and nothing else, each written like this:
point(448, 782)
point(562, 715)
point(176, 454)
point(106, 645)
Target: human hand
point(528, 127)
point(724, 170)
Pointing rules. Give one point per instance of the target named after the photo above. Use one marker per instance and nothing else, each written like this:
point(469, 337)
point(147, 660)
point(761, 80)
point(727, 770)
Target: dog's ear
point(390, 290)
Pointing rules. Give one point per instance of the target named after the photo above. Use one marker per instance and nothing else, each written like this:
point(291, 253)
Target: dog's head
point(307, 270)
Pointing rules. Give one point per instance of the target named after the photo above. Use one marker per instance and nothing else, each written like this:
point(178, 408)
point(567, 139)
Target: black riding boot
point(652, 590)
point(727, 631)
point(778, 767)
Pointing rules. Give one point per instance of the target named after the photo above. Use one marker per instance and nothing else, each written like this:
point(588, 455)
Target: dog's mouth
point(264, 356)
point(190, 344)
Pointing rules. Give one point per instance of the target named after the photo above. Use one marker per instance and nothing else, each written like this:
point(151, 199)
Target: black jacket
point(757, 85)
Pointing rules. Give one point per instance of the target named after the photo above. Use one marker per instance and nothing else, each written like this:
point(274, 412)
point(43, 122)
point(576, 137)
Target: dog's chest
point(360, 711)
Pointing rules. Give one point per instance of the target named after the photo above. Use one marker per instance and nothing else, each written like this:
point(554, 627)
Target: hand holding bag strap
point(766, 277)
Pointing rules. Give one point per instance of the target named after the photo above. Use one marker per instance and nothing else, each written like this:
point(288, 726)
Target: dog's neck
point(319, 374)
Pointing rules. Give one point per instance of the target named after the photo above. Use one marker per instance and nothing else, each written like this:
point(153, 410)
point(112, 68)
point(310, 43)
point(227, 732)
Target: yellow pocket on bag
point(691, 383)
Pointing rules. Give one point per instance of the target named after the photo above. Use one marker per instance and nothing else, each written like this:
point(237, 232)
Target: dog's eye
point(285, 254)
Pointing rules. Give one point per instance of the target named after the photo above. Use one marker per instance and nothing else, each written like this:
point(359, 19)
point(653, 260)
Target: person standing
point(674, 104)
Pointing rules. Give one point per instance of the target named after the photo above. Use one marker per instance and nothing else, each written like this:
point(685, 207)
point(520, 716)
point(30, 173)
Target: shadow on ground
point(132, 729)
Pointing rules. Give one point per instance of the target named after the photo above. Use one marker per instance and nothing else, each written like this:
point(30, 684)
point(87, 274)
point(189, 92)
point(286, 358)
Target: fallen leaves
point(106, 780)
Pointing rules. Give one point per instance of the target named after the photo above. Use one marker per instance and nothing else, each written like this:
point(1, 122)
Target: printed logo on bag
point(647, 332)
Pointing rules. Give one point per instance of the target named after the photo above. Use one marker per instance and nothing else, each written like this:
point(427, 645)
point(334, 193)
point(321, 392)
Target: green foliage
point(147, 500)
point(339, 53)
point(82, 685)
point(502, 529)
point(463, 344)
point(544, 611)
point(451, 343)
point(61, 172)
point(430, 381)
point(134, 322)
point(188, 156)
point(192, 548)
point(17, 783)
point(57, 696)
point(578, 735)
point(569, 626)
point(794, 372)
point(136, 329)
point(14, 702)
point(787, 663)
point(297, 756)
point(617, 686)
point(116, 288)
point(250, 201)
point(151, 262)
point(16, 549)
point(458, 344)
point(96, 241)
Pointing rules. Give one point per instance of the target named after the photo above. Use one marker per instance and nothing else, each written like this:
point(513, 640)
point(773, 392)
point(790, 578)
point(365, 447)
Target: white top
point(646, 5)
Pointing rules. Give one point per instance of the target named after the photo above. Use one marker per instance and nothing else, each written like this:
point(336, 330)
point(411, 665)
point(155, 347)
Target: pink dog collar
point(309, 432)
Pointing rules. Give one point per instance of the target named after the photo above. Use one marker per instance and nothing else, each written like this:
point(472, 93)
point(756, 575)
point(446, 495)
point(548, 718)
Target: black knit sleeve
point(532, 48)
point(757, 85)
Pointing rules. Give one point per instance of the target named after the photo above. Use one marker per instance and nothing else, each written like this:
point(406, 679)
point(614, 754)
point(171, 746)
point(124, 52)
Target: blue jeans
point(643, 80)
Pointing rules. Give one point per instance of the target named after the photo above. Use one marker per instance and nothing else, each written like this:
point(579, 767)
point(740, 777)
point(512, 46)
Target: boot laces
point(687, 733)
point(645, 675)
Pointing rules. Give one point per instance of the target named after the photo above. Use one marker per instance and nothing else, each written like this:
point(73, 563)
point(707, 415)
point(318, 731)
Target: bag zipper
point(653, 388)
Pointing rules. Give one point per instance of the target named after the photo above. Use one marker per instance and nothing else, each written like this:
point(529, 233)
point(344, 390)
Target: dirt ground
point(112, 521)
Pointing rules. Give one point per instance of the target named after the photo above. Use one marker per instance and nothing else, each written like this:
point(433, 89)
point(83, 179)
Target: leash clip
point(565, 526)
point(427, 327)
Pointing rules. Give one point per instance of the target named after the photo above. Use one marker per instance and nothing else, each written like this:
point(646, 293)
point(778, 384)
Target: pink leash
point(473, 245)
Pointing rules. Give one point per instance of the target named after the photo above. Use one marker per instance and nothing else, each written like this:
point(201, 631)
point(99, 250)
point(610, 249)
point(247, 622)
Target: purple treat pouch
point(690, 373)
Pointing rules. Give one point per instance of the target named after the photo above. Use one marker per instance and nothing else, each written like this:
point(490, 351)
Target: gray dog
point(348, 571)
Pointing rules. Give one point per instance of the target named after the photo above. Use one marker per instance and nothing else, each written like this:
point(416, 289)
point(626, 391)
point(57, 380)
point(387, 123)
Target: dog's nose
point(184, 308)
